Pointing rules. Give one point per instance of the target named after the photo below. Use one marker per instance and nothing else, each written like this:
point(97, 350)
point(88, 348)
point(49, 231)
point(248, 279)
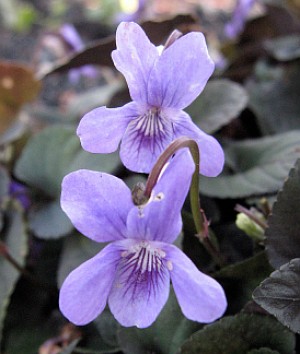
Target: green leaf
point(53, 153)
point(165, 336)
point(49, 222)
point(15, 239)
point(4, 183)
point(220, 102)
point(259, 166)
point(239, 334)
point(240, 279)
point(45, 160)
point(283, 232)
point(274, 98)
point(280, 294)
point(284, 48)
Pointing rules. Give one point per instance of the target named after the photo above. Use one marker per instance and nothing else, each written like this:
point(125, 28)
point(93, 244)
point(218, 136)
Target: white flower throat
point(144, 257)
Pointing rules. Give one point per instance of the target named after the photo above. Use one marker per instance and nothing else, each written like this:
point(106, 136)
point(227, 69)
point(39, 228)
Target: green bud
point(249, 226)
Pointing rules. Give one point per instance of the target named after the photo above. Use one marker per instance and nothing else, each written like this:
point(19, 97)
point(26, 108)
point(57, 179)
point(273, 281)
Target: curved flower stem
point(200, 220)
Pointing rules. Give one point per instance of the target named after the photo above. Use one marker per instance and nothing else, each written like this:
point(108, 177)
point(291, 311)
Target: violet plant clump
point(162, 82)
point(132, 274)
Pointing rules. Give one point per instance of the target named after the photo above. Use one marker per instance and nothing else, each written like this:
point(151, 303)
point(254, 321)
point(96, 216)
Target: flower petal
point(181, 72)
point(97, 204)
point(134, 58)
point(160, 218)
point(84, 293)
point(101, 130)
point(137, 296)
point(200, 297)
point(211, 152)
point(144, 140)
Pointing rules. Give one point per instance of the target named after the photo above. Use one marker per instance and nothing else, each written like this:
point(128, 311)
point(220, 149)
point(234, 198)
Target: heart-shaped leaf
point(259, 166)
point(283, 232)
point(240, 334)
point(280, 294)
point(15, 239)
point(46, 159)
point(221, 101)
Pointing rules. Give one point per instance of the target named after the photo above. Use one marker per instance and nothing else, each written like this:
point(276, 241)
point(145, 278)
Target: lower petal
point(101, 130)
point(144, 140)
point(138, 295)
point(200, 297)
point(211, 152)
point(84, 293)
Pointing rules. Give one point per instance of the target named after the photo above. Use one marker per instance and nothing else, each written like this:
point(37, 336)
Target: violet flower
point(235, 26)
point(133, 272)
point(72, 38)
point(161, 83)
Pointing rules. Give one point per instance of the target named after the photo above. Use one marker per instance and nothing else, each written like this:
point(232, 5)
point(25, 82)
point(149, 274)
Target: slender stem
point(200, 220)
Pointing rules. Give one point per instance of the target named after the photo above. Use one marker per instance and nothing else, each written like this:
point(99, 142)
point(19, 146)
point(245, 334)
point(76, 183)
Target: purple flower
point(161, 83)
point(133, 272)
point(72, 38)
point(237, 22)
point(20, 192)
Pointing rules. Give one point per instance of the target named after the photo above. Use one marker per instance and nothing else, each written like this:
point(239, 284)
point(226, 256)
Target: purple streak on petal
point(101, 130)
point(211, 152)
point(71, 36)
point(134, 58)
point(160, 218)
point(181, 72)
point(200, 297)
point(141, 286)
point(97, 204)
point(145, 139)
point(84, 293)
point(235, 26)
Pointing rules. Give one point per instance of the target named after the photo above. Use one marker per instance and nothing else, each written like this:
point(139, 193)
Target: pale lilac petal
point(181, 72)
point(134, 58)
point(101, 130)
point(144, 140)
point(137, 297)
point(160, 218)
point(97, 204)
point(200, 297)
point(84, 293)
point(211, 152)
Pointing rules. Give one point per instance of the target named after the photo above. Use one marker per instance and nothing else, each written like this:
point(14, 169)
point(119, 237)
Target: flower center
point(152, 123)
point(143, 257)
point(142, 270)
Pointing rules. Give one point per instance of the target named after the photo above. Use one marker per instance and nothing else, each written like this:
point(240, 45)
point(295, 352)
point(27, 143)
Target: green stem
point(200, 220)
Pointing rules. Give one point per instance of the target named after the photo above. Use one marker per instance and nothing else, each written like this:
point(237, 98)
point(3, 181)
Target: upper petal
point(181, 72)
point(141, 286)
point(211, 152)
point(84, 293)
point(134, 57)
point(101, 129)
point(97, 204)
point(200, 297)
point(160, 218)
